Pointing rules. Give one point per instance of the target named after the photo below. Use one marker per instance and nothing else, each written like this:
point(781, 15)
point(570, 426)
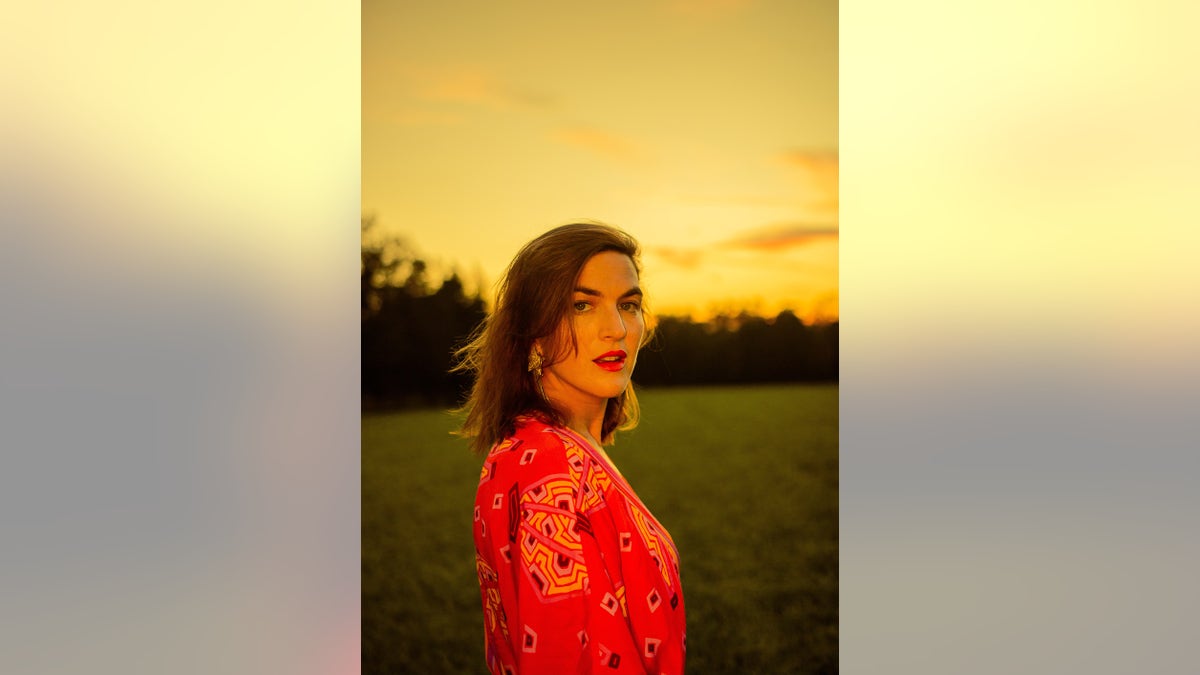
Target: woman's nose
point(614, 326)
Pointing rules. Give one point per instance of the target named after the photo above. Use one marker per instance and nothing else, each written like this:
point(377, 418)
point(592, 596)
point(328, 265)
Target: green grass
point(744, 478)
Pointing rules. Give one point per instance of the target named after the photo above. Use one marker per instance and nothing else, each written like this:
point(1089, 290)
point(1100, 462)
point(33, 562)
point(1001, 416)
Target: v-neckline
point(610, 465)
point(600, 454)
point(597, 452)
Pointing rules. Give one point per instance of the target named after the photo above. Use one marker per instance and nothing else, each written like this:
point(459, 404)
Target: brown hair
point(532, 303)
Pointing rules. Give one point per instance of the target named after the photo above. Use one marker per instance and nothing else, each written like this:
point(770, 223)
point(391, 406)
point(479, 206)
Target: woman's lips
point(611, 361)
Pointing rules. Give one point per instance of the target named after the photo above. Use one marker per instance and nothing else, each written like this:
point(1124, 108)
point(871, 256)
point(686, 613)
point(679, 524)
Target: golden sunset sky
point(706, 128)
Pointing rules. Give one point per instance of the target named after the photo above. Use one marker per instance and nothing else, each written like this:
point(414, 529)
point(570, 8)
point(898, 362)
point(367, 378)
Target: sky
point(708, 129)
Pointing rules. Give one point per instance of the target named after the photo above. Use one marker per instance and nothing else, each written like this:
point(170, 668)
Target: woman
point(575, 574)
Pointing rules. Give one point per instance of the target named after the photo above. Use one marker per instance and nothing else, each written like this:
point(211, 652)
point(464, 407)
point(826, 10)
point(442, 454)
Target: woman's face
point(606, 313)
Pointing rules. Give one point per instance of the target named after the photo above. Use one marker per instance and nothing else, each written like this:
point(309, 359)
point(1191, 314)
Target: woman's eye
point(581, 306)
point(631, 306)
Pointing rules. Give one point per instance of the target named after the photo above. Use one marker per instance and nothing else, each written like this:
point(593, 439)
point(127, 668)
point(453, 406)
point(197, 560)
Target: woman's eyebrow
point(595, 293)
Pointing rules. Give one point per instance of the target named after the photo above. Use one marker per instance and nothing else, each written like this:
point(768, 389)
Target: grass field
point(744, 478)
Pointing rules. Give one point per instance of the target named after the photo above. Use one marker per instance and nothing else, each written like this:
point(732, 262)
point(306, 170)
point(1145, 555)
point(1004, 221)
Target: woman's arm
point(550, 604)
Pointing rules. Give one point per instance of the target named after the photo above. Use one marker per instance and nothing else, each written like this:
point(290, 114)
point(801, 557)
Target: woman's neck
point(583, 414)
point(585, 418)
point(588, 424)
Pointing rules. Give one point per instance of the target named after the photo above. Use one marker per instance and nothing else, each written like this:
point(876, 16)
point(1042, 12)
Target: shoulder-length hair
point(533, 300)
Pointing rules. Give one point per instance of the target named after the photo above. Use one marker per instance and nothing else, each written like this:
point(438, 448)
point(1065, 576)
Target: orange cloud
point(819, 171)
point(600, 142)
point(763, 240)
point(425, 118)
point(779, 237)
point(687, 258)
point(472, 86)
point(815, 160)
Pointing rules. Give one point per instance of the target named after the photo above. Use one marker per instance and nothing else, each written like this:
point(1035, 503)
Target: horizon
point(476, 283)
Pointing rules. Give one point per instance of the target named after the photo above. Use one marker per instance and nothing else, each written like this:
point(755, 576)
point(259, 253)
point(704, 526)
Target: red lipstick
point(611, 361)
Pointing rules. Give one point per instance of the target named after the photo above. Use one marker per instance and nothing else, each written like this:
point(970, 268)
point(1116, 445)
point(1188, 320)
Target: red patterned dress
point(575, 573)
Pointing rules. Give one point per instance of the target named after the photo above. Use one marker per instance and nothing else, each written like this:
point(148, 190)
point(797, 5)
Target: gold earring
point(535, 363)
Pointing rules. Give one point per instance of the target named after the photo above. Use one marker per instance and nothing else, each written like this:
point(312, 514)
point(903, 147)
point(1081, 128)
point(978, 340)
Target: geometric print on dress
point(493, 612)
point(504, 446)
point(489, 464)
point(621, 599)
point(594, 482)
point(611, 602)
point(609, 658)
point(551, 550)
point(661, 549)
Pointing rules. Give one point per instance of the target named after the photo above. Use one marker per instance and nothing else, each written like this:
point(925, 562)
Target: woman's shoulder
point(536, 445)
point(530, 432)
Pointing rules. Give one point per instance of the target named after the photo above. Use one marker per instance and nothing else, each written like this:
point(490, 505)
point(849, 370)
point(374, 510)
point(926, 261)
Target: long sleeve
point(552, 564)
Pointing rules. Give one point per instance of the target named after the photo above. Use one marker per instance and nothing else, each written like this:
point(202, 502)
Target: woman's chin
point(616, 390)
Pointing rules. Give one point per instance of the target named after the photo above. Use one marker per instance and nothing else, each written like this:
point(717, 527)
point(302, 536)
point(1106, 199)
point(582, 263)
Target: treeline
point(739, 349)
point(410, 329)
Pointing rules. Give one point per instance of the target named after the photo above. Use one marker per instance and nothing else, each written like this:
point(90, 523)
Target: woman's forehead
point(608, 268)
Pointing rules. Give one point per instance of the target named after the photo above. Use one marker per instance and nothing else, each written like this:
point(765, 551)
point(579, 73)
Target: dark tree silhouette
point(739, 349)
point(409, 329)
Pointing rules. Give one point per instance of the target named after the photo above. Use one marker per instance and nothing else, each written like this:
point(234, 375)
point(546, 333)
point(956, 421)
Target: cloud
point(813, 160)
point(784, 236)
point(600, 143)
point(411, 117)
point(471, 86)
point(819, 177)
point(761, 240)
point(686, 258)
